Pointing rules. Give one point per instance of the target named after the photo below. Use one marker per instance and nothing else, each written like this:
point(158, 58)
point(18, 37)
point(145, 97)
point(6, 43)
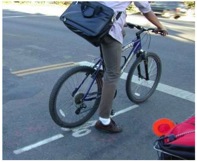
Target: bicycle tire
point(138, 89)
point(66, 106)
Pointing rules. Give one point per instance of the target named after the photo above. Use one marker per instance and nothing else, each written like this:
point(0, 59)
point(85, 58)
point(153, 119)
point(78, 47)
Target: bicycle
point(76, 95)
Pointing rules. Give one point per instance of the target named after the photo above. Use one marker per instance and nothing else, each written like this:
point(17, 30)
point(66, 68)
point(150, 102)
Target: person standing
point(111, 47)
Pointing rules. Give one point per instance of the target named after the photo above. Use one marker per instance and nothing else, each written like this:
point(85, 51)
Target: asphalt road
point(38, 41)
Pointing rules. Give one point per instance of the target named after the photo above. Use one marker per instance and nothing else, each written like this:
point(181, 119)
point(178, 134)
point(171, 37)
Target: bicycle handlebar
point(140, 28)
point(143, 29)
point(130, 25)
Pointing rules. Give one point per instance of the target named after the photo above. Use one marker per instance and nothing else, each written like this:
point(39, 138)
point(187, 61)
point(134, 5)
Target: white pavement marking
point(186, 95)
point(161, 87)
point(40, 143)
point(125, 110)
point(10, 17)
point(171, 90)
point(58, 136)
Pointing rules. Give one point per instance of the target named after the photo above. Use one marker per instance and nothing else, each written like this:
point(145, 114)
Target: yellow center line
point(43, 69)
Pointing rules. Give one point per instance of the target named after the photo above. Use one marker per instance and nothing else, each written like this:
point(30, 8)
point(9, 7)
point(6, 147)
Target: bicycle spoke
point(76, 97)
point(143, 82)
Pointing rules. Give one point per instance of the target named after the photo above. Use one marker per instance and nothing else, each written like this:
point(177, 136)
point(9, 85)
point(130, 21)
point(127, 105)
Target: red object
point(177, 143)
point(162, 126)
point(185, 133)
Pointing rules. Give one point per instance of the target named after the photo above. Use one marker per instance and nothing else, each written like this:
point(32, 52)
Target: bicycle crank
point(78, 99)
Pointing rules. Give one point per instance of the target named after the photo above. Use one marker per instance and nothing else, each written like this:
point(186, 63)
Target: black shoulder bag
point(90, 20)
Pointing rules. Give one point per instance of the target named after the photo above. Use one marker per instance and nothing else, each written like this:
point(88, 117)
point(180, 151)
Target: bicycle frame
point(81, 87)
point(135, 44)
point(136, 48)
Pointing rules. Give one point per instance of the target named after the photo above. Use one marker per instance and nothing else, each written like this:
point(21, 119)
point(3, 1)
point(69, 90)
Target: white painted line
point(9, 17)
point(58, 136)
point(161, 87)
point(171, 90)
point(125, 110)
point(85, 63)
point(176, 92)
point(40, 143)
point(186, 95)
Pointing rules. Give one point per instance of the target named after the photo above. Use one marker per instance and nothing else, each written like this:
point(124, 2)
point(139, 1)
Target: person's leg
point(112, 57)
point(111, 50)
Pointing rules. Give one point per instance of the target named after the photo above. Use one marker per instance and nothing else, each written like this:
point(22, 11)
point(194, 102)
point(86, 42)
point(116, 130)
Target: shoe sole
point(108, 131)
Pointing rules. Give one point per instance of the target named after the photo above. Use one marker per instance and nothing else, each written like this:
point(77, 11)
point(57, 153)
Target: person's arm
point(145, 8)
point(154, 20)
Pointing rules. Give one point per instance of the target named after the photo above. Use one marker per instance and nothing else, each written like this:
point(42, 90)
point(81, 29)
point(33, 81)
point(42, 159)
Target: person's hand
point(162, 31)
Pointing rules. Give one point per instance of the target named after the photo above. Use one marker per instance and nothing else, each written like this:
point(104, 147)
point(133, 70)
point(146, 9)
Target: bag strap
point(89, 10)
point(118, 15)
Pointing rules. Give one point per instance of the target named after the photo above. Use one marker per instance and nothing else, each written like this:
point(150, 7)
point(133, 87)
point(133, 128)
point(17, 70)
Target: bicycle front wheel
point(75, 97)
point(143, 77)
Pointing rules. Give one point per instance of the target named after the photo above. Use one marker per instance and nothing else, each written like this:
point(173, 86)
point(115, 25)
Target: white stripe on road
point(161, 87)
point(171, 90)
point(58, 136)
point(125, 110)
point(9, 17)
point(40, 143)
point(186, 95)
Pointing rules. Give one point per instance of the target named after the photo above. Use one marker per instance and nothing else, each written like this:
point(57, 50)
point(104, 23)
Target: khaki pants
point(111, 50)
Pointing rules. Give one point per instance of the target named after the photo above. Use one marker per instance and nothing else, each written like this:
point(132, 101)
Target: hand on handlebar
point(162, 31)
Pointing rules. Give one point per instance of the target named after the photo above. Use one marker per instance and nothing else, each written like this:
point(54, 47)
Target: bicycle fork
point(142, 55)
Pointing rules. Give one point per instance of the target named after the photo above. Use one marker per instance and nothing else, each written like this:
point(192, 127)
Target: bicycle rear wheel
point(75, 97)
point(143, 77)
